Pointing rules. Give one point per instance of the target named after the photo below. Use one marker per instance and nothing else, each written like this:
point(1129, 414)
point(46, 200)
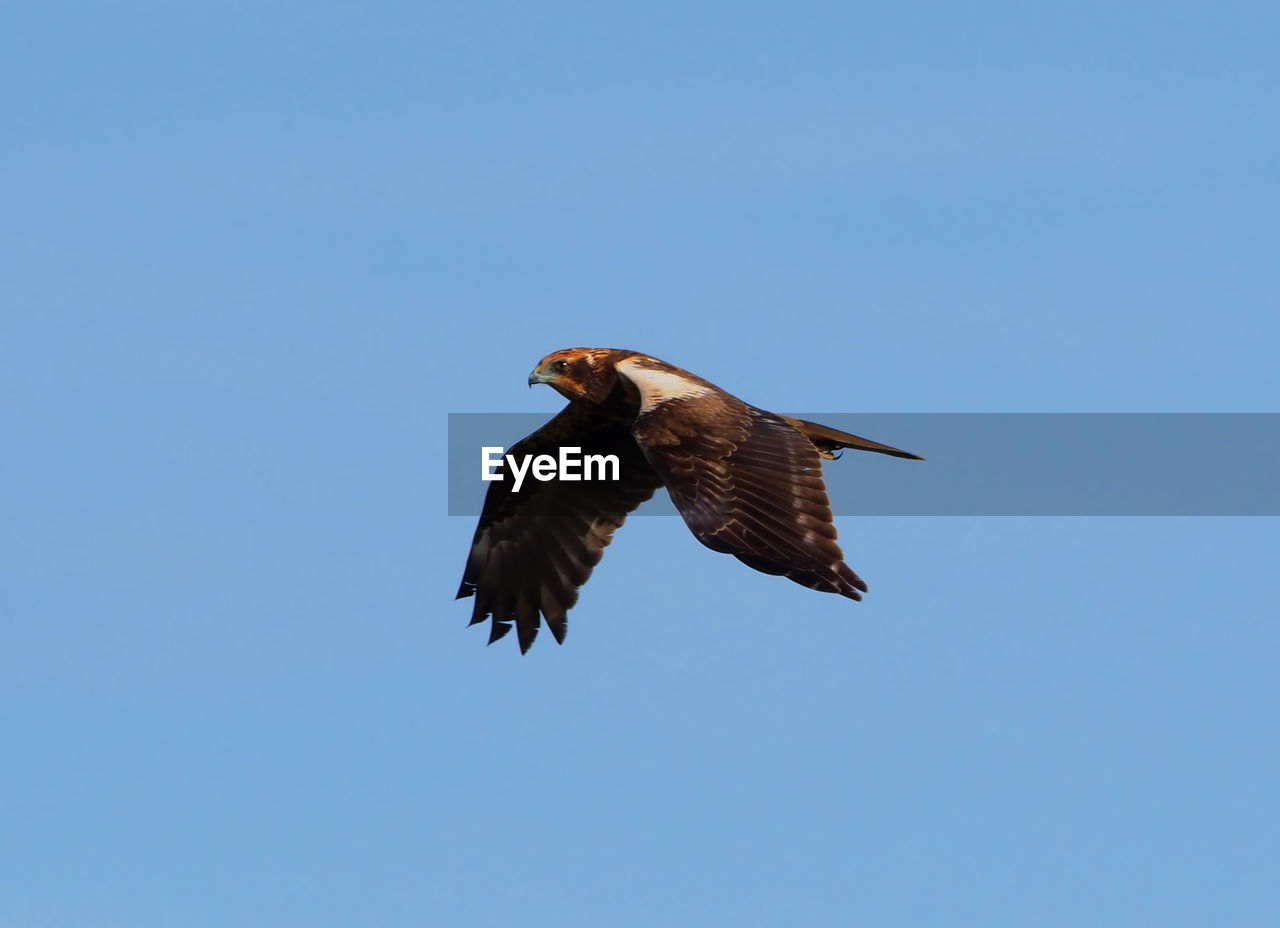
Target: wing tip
point(559, 625)
point(526, 635)
point(526, 630)
point(855, 585)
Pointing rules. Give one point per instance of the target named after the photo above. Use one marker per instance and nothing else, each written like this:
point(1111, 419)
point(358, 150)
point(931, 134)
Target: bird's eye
point(560, 366)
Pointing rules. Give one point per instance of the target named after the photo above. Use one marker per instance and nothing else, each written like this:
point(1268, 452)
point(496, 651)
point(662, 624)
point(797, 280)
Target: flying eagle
point(747, 482)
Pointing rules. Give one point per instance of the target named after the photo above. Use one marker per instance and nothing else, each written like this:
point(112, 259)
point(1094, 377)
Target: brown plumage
point(747, 482)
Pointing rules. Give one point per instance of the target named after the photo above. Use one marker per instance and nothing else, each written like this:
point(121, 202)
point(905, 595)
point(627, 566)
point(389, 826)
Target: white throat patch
point(658, 387)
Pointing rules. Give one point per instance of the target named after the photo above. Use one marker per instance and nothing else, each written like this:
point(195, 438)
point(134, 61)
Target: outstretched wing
point(747, 483)
point(533, 549)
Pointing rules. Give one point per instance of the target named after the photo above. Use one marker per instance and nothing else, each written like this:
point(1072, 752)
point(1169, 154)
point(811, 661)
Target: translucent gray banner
point(999, 464)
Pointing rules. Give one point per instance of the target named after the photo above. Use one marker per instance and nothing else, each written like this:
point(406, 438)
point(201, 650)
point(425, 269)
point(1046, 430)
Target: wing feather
point(748, 483)
point(532, 550)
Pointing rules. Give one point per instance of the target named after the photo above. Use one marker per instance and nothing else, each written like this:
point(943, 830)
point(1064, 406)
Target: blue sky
point(251, 255)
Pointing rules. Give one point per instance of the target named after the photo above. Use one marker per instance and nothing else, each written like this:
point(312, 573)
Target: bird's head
point(579, 374)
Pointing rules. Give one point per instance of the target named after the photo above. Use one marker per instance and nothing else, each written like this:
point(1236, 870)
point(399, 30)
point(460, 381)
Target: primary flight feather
point(747, 482)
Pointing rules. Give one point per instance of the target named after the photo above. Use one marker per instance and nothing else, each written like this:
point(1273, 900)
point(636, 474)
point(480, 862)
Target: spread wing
point(533, 549)
point(748, 483)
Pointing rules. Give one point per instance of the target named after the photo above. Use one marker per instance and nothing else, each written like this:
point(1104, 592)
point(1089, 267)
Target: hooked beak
point(539, 377)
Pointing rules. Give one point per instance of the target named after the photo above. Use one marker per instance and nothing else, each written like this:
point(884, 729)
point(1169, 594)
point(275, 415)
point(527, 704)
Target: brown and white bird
point(747, 482)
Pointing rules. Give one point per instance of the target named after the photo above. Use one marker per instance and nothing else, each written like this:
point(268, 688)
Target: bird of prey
point(747, 482)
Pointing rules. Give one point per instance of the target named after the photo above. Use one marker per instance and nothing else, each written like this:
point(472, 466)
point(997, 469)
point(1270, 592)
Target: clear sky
point(251, 255)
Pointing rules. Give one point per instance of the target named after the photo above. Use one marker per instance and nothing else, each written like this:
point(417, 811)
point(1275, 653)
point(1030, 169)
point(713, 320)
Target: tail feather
point(828, 440)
